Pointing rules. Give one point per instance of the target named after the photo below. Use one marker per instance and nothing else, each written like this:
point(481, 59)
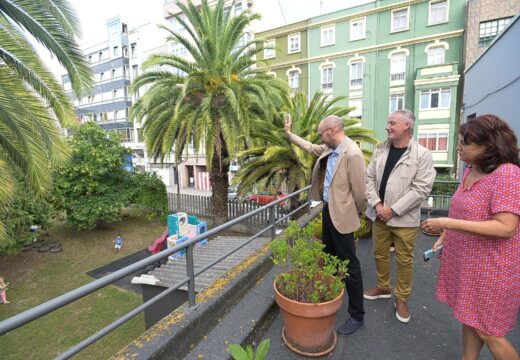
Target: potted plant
point(309, 291)
point(317, 230)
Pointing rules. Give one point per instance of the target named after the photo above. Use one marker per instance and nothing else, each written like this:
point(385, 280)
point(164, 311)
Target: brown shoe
point(401, 310)
point(377, 293)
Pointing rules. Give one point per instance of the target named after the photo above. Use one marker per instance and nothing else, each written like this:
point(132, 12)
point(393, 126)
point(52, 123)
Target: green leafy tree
point(26, 209)
point(31, 100)
point(94, 186)
point(273, 160)
point(148, 193)
point(214, 99)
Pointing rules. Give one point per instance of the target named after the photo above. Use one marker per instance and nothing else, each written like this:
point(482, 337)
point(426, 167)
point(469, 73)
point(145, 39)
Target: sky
point(93, 16)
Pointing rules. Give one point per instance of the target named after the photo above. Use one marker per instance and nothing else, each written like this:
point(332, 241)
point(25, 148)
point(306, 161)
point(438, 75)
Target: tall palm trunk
point(219, 179)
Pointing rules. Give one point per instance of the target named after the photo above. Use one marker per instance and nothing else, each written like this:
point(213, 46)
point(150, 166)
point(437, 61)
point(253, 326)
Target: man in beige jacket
point(339, 180)
point(399, 177)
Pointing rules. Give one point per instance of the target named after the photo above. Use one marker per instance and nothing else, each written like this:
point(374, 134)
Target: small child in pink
point(3, 288)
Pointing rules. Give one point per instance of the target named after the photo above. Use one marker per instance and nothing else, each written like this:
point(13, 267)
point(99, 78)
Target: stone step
point(174, 270)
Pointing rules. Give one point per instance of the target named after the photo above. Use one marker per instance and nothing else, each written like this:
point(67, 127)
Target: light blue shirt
point(331, 163)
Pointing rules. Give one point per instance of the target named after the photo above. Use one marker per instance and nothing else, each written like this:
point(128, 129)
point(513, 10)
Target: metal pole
point(272, 221)
point(191, 274)
point(309, 200)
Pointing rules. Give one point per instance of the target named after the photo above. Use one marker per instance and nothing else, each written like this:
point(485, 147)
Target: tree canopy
point(31, 100)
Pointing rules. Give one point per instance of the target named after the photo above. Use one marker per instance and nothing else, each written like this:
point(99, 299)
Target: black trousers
point(343, 246)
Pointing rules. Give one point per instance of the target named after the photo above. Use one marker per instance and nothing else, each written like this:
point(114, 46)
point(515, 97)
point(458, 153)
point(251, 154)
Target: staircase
point(175, 270)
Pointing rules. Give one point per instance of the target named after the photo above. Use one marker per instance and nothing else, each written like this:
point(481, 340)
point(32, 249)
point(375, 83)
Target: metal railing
point(32, 314)
point(441, 201)
point(201, 205)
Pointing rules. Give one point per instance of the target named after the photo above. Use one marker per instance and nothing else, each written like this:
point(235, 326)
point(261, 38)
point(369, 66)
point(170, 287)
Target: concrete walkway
point(432, 332)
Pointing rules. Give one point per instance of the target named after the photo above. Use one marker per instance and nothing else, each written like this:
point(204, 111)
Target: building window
point(357, 29)
point(356, 73)
point(434, 141)
point(490, 29)
point(397, 66)
point(396, 102)
point(114, 94)
point(90, 58)
point(125, 51)
point(135, 71)
point(293, 43)
point(238, 8)
point(294, 81)
point(101, 77)
point(326, 79)
point(113, 73)
point(100, 55)
point(436, 55)
point(244, 39)
point(178, 49)
point(357, 104)
point(133, 47)
point(435, 99)
point(328, 36)
point(400, 20)
point(269, 51)
point(116, 51)
point(438, 12)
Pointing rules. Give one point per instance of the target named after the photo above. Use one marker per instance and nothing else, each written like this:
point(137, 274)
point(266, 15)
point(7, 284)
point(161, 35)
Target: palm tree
point(31, 100)
point(273, 160)
point(212, 103)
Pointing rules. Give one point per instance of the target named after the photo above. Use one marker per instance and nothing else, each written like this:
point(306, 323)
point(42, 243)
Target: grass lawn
point(37, 277)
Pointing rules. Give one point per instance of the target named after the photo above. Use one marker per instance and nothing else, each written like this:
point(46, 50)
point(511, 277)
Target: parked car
point(232, 194)
point(266, 197)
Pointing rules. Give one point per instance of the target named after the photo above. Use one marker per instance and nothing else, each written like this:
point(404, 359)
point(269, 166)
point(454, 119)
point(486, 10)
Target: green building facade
point(384, 56)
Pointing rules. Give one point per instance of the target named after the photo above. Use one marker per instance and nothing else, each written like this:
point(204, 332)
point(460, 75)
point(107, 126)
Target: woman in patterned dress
point(479, 277)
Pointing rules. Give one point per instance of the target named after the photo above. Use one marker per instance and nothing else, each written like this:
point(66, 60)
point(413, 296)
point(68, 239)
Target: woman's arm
point(502, 226)
point(439, 241)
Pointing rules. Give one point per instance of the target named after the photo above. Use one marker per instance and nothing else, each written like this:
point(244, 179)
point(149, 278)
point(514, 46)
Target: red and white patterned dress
point(479, 277)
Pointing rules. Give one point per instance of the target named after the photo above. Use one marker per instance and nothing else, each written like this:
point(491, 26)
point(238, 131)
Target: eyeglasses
point(320, 134)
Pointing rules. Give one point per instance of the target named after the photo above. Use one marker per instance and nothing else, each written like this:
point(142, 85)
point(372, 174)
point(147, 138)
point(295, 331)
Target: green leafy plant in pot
point(309, 291)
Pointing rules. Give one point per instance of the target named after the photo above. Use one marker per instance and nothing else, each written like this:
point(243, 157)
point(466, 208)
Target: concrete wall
point(492, 83)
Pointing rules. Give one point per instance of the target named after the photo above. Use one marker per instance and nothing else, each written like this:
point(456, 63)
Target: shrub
point(310, 275)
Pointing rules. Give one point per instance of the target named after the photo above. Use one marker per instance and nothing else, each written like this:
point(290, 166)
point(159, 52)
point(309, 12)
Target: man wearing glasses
point(339, 180)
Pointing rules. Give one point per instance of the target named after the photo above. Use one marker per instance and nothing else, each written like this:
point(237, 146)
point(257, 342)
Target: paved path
point(432, 334)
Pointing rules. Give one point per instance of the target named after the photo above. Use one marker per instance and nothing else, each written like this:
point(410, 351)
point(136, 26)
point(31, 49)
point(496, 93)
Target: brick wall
point(484, 10)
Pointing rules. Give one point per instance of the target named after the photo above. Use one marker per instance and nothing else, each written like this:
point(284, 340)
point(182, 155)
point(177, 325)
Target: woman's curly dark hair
point(496, 136)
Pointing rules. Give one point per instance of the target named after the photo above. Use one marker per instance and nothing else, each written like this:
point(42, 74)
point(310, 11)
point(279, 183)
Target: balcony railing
point(30, 315)
point(397, 76)
point(356, 82)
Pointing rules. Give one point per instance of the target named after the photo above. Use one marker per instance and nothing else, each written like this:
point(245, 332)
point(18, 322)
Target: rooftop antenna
point(281, 10)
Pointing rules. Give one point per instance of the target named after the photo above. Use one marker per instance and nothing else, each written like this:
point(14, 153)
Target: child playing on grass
point(3, 288)
point(118, 243)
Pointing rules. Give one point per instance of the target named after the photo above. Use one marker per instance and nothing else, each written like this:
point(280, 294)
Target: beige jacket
point(347, 192)
point(409, 183)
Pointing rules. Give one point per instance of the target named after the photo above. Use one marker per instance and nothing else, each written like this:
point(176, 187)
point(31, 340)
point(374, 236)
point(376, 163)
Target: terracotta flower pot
point(309, 329)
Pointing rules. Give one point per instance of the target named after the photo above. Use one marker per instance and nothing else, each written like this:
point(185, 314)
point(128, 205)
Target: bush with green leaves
point(364, 229)
point(310, 275)
point(25, 210)
point(444, 188)
point(148, 194)
point(240, 353)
